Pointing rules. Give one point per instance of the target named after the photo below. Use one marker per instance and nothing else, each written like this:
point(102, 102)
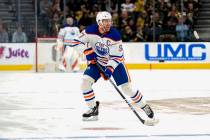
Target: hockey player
point(69, 56)
point(105, 48)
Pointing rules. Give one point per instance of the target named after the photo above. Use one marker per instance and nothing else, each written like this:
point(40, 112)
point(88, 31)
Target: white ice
point(48, 106)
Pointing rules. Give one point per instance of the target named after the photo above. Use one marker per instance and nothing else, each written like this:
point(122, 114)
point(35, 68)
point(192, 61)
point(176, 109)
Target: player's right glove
point(90, 56)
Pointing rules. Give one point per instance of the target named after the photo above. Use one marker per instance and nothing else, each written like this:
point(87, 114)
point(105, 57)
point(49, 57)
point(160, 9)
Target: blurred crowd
point(137, 20)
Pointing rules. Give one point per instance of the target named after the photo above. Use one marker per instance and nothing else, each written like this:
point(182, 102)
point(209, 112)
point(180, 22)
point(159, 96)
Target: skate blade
point(92, 118)
point(151, 122)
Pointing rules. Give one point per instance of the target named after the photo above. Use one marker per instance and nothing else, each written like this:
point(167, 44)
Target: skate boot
point(61, 68)
point(149, 112)
point(147, 109)
point(91, 114)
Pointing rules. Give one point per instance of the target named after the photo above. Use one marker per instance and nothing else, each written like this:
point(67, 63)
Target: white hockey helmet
point(103, 15)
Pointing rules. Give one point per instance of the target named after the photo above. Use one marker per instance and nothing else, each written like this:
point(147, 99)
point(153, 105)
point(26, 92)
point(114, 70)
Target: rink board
point(194, 55)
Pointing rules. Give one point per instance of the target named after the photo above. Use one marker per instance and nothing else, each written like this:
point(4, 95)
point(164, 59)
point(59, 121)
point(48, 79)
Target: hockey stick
point(145, 122)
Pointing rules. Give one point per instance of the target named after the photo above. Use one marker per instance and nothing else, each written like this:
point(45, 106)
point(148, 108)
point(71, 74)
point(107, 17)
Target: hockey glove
point(108, 73)
point(91, 58)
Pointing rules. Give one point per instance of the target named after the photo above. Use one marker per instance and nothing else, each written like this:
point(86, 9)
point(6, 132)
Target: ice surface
point(48, 106)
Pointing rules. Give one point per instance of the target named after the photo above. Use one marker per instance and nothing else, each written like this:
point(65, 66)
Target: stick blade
point(92, 118)
point(151, 122)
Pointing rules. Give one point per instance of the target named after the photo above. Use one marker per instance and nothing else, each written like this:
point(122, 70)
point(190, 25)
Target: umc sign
point(175, 52)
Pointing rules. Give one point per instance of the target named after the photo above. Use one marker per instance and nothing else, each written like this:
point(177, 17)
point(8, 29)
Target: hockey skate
point(61, 68)
point(149, 112)
point(91, 114)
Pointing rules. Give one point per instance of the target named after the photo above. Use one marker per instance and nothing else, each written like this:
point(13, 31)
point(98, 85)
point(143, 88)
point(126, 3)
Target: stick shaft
point(117, 89)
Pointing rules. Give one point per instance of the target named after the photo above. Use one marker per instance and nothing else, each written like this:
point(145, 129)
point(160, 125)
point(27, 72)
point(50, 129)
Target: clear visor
point(106, 22)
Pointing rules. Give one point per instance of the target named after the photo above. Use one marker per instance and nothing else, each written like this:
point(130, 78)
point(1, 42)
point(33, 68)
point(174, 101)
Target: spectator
point(72, 5)
point(4, 38)
point(139, 6)
point(128, 35)
point(182, 30)
point(85, 19)
point(56, 7)
point(139, 35)
point(163, 8)
point(189, 21)
point(115, 20)
point(132, 25)
point(140, 21)
point(155, 28)
point(124, 19)
point(32, 35)
point(114, 6)
point(127, 6)
point(173, 13)
point(44, 9)
point(191, 12)
point(106, 5)
point(19, 36)
point(169, 32)
point(87, 4)
point(55, 24)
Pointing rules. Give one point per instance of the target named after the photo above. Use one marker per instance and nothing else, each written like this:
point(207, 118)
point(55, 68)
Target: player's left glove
point(108, 73)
